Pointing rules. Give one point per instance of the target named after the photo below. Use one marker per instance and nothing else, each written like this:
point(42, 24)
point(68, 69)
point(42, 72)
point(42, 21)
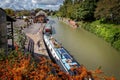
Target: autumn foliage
point(19, 66)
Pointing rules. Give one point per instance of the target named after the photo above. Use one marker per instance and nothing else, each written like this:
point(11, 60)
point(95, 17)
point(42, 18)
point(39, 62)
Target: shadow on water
point(52, 23)
point(53, 30)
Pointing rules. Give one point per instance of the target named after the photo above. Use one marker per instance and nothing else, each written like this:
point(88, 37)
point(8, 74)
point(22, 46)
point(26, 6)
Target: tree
point(86, 10)
point(23, 13)
point(10, 11)
point(26, 12)
point(67, 9)
point(68, 2)
point(62, 11)
point(109, 12)
point(74, 11)
point(78, 9)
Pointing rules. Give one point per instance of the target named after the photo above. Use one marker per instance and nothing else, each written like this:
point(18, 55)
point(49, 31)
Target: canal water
point(87, 49)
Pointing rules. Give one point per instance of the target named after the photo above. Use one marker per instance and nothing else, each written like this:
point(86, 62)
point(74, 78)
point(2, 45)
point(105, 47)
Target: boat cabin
point(48, 29)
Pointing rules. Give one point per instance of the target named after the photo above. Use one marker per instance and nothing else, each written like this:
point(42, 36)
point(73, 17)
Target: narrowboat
point(60, 55)
point(48, 29)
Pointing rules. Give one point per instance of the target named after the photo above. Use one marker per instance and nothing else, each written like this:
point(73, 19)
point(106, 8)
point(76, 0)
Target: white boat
point(60, 55)
point(48, 29)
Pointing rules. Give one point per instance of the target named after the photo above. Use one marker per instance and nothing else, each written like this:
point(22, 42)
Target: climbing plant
point(20, 38)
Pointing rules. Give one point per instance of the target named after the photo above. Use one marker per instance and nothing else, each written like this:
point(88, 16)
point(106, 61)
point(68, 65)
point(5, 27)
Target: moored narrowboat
point(48, 29)
point(60, 55)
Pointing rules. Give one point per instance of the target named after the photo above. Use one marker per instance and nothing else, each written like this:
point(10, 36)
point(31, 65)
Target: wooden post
point(12, 34)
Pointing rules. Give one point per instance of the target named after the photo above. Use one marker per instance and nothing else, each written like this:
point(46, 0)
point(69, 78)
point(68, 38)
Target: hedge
point(109, 32)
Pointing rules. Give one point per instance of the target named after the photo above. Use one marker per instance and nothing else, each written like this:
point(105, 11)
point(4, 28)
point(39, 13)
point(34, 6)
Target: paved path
point(35, 35)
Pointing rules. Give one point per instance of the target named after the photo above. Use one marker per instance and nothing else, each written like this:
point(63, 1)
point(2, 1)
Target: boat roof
point(66, 58)
point(62, 51)
point(48, 25)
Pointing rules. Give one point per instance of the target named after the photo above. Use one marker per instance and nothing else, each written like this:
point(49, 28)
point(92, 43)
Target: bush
point(2, 54)
point(108, 32)
point(20, 66)
point(116, 45)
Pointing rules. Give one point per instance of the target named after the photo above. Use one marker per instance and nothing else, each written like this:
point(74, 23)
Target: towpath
point(35, 39)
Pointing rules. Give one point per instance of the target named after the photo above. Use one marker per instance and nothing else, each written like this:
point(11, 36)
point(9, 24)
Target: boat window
point(67, 56)
point(62, 50)
point(51, 49)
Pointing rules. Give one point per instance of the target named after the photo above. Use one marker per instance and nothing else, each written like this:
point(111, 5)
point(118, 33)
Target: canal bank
point(88, 49)
point(35, 33)
point(109, 32)
point(69, 22)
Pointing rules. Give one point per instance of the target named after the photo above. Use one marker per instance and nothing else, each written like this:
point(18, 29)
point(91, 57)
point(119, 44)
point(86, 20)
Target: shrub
point(108, 32)
point(116, 45)
point(19, 66)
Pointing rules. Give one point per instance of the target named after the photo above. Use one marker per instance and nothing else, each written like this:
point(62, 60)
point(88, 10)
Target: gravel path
point(34, 32)
point(33, 29)
point(34, 35)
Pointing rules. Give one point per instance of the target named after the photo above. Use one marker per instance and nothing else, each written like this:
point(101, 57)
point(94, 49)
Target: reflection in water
point(52, 22)
point(53, 30)
point(88, 49)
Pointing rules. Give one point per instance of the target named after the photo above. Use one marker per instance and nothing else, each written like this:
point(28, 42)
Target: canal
point(87, 48)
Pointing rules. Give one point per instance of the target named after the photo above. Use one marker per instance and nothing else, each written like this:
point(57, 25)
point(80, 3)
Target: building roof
point(10, 19)
point(7, 16)
point(41, 13)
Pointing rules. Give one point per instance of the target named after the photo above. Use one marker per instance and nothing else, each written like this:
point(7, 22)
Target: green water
point(88, 49)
